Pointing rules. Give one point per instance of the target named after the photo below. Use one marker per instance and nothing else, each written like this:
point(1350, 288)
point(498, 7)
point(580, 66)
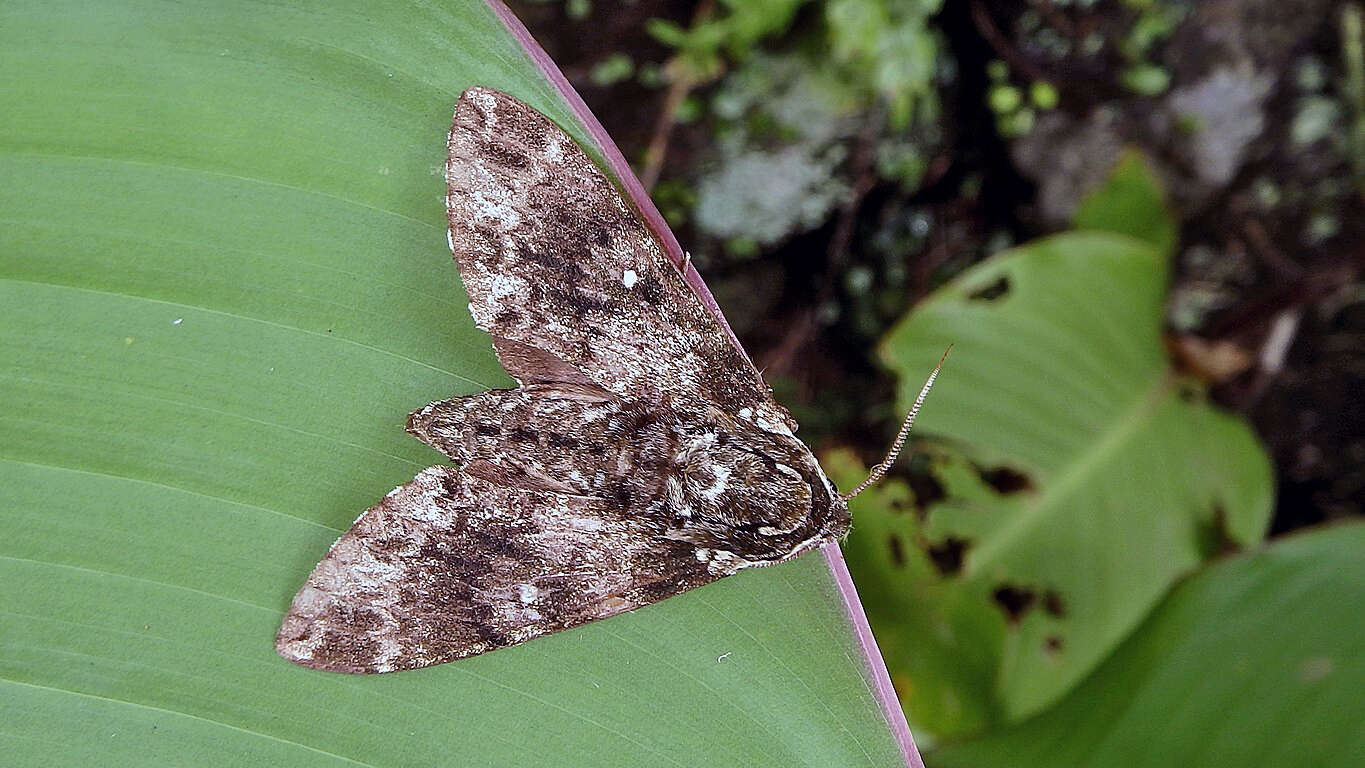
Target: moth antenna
point(879, 471)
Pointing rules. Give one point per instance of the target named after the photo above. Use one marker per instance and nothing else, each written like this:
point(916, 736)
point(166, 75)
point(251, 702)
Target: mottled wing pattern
point(558, 438)
point(566, 277)
point(641, 456)
point(452, 565)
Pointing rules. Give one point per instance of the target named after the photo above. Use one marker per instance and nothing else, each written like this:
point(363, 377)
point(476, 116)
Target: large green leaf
point(1258, 660)
point(1094, 477)
point(223, 284)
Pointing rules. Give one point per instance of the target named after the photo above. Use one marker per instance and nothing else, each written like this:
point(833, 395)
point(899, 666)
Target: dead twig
point(657, 149)
point(682, 84)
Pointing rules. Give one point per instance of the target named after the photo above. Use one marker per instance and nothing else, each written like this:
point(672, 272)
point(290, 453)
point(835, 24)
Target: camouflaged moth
point(640, 456)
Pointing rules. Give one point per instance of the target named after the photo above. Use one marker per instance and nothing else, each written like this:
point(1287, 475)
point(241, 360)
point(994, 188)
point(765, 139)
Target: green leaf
point(1079, 479)
point(1131, 202)
point(1146, 79)
point(1258, 660)
point(224, 282)
point(667, 32)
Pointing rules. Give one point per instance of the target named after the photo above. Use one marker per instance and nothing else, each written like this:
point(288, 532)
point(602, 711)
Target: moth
point(640, 455)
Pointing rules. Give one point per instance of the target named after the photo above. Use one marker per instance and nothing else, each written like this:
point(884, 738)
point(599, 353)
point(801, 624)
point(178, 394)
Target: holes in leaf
point(1188, 393)
point(1004, 480)
point(947, 555)
point(991, 292)
point(1052, 603)
point(1014, 601)
point(893, 542)
point(927, 489)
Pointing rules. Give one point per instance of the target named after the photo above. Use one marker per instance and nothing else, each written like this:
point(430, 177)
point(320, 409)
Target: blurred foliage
point(786, 110)
point(729, 34)
point(1155, 20)
point(1146, 79)
point(1353, 53)
point(1073, 475)
point(1014, 115)
point(885, 48)
point(882, 47)
point(784, 133)
point(611, 70)
point(1258, 659)
point(1076, 41)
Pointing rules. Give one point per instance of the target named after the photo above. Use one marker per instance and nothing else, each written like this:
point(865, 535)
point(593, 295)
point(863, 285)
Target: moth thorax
point(716, 482)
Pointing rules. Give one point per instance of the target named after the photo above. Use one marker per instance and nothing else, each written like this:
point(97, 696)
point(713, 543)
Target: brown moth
point(640, 456)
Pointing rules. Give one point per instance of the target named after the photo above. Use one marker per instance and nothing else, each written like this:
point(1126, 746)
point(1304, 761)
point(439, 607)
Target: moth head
point(760, 492)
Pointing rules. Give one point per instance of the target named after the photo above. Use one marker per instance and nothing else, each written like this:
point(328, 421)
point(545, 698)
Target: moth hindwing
point(641, 454)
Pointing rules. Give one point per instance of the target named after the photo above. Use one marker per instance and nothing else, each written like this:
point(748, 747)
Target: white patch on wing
point(773, 426)
point(628, 278)
point(500, 287)
point(553, 151)
point(489, 201)
point(487, 104)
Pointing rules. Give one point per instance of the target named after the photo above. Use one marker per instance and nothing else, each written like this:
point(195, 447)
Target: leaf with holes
point(1258, 660)
point(1078, 477)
